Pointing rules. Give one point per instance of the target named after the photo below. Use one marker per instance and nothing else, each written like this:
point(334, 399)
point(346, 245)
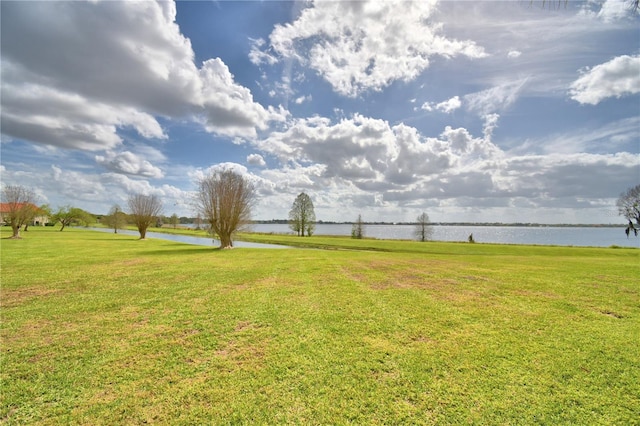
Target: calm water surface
point(200, 241)
point(546, 235)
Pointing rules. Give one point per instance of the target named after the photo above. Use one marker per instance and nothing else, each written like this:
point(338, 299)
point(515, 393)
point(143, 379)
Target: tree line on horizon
point(224, 201)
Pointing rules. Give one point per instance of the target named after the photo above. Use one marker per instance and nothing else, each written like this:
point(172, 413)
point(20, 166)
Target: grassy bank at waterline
point(102, 328)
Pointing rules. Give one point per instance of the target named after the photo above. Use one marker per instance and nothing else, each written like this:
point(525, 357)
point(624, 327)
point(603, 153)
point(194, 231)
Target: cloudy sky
point(469, 110)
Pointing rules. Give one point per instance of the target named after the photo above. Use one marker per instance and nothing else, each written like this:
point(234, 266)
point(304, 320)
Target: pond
point(199, 241)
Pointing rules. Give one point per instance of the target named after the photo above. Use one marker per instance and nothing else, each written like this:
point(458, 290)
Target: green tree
point(302, 217)
point(67, 215)
point(144, 210)
point(357, 230)
point(45, 210)
point(629, 207)
point(423, 231)
point(174, 220)
point(116, 219)
point(225, 198)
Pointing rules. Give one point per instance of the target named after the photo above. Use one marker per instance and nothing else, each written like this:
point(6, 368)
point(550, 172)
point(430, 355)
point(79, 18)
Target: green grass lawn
point(100, 328)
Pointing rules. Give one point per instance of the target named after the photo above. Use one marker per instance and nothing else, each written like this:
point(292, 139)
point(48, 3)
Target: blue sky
point(469, 111)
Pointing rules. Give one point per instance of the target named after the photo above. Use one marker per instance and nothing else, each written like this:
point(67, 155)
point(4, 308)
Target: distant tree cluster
point(224, 200)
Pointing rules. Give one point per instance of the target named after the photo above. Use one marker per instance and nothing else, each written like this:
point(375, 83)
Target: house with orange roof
point(40, 219)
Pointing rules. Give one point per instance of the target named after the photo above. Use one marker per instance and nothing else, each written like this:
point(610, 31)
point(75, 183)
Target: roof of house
point(6, 207)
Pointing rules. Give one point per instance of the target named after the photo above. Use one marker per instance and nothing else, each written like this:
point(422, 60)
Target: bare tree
point(224, 199)
point(116, 219)
point(144, 209)
point(629, 207)
point(19, 207)
point(302, 217)
point(357, 230)
point(424, 231)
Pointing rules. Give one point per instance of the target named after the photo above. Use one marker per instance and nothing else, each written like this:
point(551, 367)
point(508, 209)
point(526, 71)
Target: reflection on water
point(186, 239)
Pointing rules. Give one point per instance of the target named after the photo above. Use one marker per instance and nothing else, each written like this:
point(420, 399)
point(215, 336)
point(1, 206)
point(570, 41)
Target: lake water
point(543, 235)
point(200, 241)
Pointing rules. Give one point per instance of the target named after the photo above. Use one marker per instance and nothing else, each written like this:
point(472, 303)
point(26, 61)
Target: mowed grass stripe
point(100, 328)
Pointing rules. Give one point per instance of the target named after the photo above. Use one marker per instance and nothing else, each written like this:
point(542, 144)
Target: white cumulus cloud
point(615, 78)
point(74, 73)
point(613, 10)
point(256, 160)
point(365, 45)
point(373, 155)
point(129, 163)
point(229, 108)
point(447, 106)
point(299, 100)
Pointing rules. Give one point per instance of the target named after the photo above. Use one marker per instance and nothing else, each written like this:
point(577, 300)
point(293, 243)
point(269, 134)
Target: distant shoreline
point(532, 225)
